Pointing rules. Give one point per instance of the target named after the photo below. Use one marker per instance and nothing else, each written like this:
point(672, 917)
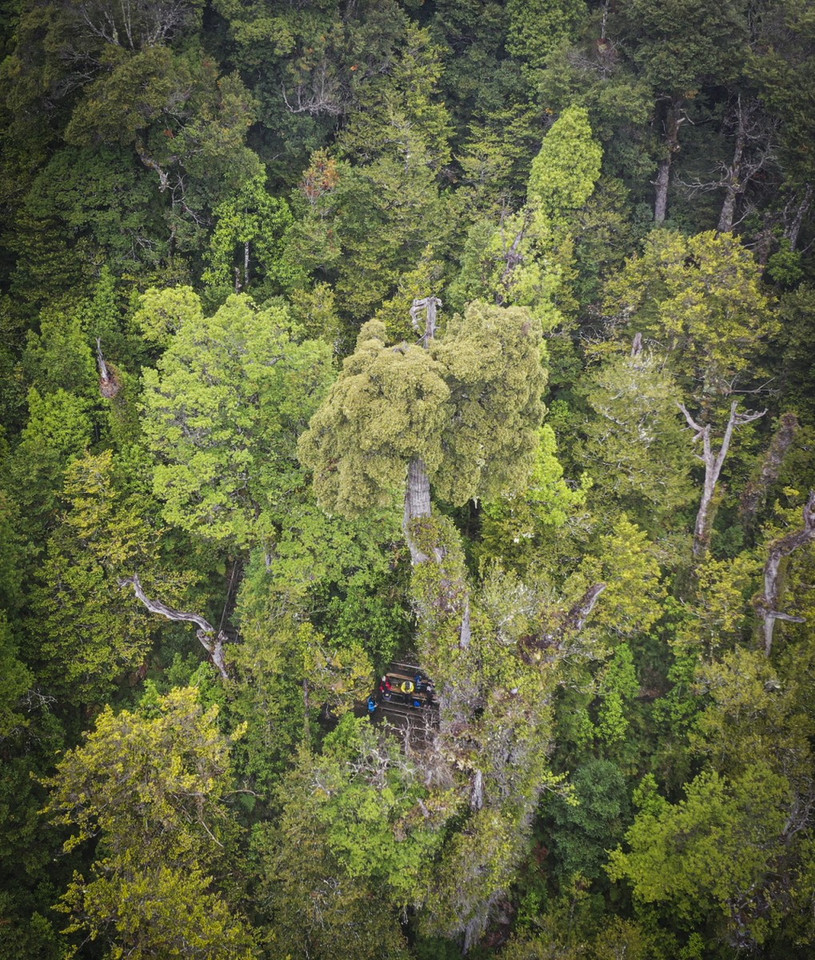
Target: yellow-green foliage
point(468, 407)
point(701, 298)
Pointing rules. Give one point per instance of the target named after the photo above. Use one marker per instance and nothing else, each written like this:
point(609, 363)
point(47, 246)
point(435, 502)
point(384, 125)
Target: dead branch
point(109, 384)
point(211, 640)
point(713, 461)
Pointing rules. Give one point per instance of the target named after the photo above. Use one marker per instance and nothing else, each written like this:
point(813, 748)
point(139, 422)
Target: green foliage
point(582, 830)
point(149, 784)
point(162, 313)
point(246, 249)
point(89, 631)
point(15, 681)
point(512, 527)
point(701, 299)
point(467, 408)
point(705, 854)
point(316, 908)
point(536, 28)
point(625, 560)
point(636, 440)
point(222, 413)
point(501, 157)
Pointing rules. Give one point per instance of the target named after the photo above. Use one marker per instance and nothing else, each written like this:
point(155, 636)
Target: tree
point(221, 417)
point(318, 884)
point(702, 300)
point(149, 784)
point(382, 207)
point(526, 259)
point(713, 461)
point(677, 49)
point(251, 224)
point(634, 447)
point(460, 414)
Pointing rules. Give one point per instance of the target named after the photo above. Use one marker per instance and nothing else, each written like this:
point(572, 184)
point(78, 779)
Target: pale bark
point(778, 551)
point(752, 152)
point(661, 185)
point(417, 504)
point(672, 123)
point(466, 632)
point(417, 489)
point(794, 220)
point(713, 461)
point(428, 329)
point(212, 640)
point(109, 385)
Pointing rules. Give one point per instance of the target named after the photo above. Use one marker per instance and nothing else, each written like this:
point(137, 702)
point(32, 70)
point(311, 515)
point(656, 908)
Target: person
point(372, 704)
point(385, 686)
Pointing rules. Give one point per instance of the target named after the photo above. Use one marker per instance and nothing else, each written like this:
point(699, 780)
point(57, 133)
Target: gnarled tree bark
point(778, 551)
point(756, 490)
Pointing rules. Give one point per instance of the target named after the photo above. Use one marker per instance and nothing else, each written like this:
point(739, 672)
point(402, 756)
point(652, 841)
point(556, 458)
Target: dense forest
point(472, 334)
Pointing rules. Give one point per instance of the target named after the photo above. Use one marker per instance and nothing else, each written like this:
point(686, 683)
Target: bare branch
point(211, 640)
point(713, 461)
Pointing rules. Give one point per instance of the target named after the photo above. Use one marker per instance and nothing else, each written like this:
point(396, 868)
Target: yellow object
point(406, 687)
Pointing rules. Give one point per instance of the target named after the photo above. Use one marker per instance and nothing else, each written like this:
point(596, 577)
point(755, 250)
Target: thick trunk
point(726, 217)
point(672, 123)
point(661, 190)
point(756, 491)
point(778, 551)
point(733, 179)
point(417, 504)
point(794, 222)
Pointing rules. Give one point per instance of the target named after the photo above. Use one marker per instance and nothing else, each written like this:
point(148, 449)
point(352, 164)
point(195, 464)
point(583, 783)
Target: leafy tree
point(466, 408)
point(707, 854)
point(252, 225)
point(88, 631)
point(527, 259)
point(579, 829)
point(318, 907)
point(222, 413)
point(59, 429)
point(149, 784)
point(635, 447)
point(513, 526)
point(701, 299)
point(376, 220)
point(535, 29)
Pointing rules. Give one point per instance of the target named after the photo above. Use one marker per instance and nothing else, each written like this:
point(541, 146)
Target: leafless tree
point(713, 461)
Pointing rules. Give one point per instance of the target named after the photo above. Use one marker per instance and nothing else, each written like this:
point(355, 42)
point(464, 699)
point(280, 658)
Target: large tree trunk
point(778, 551)
point(756, 490)
point(672, 122)
point(752, 152)
point(661, 190)
point(417, 504)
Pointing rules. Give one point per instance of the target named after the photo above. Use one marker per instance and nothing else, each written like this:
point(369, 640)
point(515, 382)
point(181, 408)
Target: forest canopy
point(407, 487)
